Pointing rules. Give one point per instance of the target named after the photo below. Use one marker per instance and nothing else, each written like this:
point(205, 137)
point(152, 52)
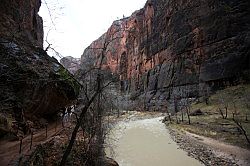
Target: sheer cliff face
point(175, 49)
point(33, 85)
point(20, 22)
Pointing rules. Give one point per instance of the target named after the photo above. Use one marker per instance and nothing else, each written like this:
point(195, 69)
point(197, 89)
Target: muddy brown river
point(145, 143)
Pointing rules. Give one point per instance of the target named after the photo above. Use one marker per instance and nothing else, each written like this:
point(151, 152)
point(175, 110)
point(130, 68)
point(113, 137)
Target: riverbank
point(209, 151)
point(216, 128)
point(144, 140)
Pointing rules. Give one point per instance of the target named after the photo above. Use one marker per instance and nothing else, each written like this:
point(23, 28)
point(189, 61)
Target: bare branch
point(50, 15)
point(242, 129)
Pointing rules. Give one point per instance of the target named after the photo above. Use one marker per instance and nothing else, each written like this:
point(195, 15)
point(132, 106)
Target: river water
point(145, 143)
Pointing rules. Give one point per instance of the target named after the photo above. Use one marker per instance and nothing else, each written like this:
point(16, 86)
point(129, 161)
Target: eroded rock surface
point(33, 85)
point(20, 22)
point(70, 63)
point(177, 49)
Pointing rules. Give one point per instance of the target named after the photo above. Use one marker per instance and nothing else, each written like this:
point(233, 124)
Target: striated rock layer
point(176, 49)
point(33, 85)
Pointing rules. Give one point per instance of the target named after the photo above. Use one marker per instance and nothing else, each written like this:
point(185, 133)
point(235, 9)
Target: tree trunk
point(206, 100)
point(46, 130)
point(189, 121)
point(222, 114)
point(31, 139)
point(74, 133)
point(118, 113)
point(226, 113)
point(20, 147)
point(181, 115)
point(243, 130)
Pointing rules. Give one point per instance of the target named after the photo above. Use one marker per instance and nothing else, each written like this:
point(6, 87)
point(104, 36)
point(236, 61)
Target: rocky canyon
point(175, 73)
point(170, 50)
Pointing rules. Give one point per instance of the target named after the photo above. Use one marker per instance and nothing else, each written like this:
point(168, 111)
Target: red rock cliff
point(177, 49)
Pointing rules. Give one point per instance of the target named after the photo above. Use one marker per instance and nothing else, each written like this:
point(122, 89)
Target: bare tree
point(54, 11)
point(187, 107)
point(176, 108)
point(235, 110)
point(224, 105)
point(182, 115)
point(222, 113)
point(186, 104)
point(94, 89)
point(242, 129)
point(49, 46)
point(79, 122)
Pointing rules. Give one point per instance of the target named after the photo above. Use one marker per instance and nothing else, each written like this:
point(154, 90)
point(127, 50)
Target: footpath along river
point(145, 142)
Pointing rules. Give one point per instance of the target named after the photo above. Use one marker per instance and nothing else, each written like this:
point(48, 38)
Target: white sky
point(79, 22)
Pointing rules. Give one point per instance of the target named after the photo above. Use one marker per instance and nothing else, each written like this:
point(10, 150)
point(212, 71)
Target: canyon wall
point(20, 22)
point(172, 50)
point(70, 63)
point(33, 85)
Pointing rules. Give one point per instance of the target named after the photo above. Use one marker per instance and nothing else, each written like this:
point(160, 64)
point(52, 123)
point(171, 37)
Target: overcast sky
point(74, 24)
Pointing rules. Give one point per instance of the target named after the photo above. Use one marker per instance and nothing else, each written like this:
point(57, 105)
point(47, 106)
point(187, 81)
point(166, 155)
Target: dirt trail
point(9, 150)
point(223, 149)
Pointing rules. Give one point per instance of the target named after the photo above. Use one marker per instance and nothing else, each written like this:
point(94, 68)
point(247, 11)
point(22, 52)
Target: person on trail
point(14, 127)
point(63, 113)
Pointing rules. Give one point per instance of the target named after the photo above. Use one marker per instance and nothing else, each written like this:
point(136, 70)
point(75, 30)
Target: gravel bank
point(201, 152)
